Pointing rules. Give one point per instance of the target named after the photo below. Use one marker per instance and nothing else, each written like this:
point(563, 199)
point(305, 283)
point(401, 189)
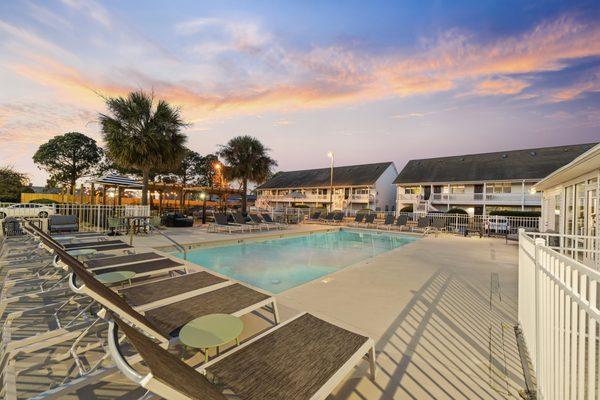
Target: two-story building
point(355, 187)
point(481, 183)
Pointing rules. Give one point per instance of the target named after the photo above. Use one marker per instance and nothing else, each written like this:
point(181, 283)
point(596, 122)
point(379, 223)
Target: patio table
point(116, 277)
point(210, 331)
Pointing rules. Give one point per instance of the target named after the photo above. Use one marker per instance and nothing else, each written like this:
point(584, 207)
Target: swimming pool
point(280, 264)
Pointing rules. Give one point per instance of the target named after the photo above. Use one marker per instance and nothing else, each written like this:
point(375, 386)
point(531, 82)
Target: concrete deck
point(441, 310)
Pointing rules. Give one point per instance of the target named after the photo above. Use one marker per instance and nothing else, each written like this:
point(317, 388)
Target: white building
point(570, 196)
point(355, 187)
point(481, 183)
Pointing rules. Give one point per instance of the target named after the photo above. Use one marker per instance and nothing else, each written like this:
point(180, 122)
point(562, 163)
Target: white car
point(26, 210)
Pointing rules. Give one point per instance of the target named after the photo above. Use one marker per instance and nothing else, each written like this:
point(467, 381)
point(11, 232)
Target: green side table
point(82, 252)
point(110, 278)
point(210, 331)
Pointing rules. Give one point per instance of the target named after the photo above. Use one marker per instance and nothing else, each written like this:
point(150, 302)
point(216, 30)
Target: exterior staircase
point(423, 206)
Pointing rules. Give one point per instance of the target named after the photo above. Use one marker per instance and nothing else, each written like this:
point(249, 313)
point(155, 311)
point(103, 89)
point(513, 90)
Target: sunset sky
point(371, 81)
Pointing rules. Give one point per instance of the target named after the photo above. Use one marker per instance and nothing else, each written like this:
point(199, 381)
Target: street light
point(203, 198)
point(330, 155)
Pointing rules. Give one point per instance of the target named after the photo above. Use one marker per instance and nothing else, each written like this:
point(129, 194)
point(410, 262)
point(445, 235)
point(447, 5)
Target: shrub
point(515, 213)
point(456, 211)
point(407, 209)
point(44, 201)
point(301, 206)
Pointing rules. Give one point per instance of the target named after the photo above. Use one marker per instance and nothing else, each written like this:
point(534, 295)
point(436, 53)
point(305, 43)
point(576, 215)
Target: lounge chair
point(316, 216)
point(388, 222)
point(268, 220)
point(327, 218)
point(338, 218)
point(221, 224)
point(168, 315)
point(423, 224)
point(358, 218)
point(369, 220)
point(401, 222)
point(255, 220)
point(437, 225)
point(302, 358)
point(239, 219)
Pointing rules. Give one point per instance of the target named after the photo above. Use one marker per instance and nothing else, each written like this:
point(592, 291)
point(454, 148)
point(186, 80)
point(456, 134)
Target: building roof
point(351, 175)
point(531, 164)
point(585, 163)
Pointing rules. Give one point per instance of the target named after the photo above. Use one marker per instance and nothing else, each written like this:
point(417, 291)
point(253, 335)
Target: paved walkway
point(440, 309)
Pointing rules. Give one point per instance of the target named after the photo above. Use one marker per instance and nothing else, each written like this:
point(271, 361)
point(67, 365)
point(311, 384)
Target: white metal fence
point(91, 217)
point(459, 223)
point(559, 316)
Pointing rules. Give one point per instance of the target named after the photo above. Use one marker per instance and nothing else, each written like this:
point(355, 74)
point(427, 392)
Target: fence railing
point(91, 217)
point(487, 224)
point(559, 315)
point(585, 249)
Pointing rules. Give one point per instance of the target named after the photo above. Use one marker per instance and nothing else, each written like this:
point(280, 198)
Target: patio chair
point(163, 317)
point(369, 220)
point(401, 222)
point(327, 218)
point(388, 222)
point(437, 225)
point(338, 218)
point(423, 224)
point(304, 358)
point(115, 224)
point(239, 219)
point(259, 222)
point(358, 218)
point(268, 220)
point(221, 224)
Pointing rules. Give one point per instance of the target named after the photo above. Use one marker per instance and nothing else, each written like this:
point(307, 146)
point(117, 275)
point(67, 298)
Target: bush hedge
point(511, 213)
point(44, 201)
point(407, 209)
point(456, 211)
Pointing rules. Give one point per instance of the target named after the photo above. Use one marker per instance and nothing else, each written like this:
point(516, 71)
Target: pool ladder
point(170, 239)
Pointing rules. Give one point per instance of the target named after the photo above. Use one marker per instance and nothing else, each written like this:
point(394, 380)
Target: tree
point(206, 170)
point(12, 183)
point(143, 134)
point(247, 160)
point(69, 157)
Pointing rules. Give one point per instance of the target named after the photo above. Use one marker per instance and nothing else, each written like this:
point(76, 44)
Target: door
point(427, 192)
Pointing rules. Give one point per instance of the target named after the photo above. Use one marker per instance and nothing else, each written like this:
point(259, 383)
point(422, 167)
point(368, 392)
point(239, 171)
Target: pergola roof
point(117, 181)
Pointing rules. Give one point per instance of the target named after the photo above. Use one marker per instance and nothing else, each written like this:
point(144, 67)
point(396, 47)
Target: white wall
point(386, 190)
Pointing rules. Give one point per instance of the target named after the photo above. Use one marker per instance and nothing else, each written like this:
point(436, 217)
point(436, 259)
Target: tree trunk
point(73, 188)
point(244, 194)
point(146, 178)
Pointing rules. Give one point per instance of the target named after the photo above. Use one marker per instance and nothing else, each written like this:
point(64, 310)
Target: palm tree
point(246, 159)
point(143, 134)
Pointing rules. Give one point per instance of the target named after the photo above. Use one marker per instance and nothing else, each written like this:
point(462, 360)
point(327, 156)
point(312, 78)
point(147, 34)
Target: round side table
point(210, 331)
point(110, 278)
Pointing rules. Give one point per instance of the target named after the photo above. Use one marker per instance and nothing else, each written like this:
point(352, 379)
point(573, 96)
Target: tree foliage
point(246, 159)
point(143, 134)
point(12, 183)
point(69, 157)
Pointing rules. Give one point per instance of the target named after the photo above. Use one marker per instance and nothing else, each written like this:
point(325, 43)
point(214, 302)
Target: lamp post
point(330, 155)
point(203, 198)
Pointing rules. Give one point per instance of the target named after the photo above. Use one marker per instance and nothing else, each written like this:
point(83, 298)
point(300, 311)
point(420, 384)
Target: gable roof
point(351, 175)
point(502, 165)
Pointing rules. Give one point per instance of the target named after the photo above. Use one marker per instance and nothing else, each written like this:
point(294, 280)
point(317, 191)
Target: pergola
point(119, 182)
point(183, 190)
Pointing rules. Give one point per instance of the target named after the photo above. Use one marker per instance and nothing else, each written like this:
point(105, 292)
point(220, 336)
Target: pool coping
point(273, 235)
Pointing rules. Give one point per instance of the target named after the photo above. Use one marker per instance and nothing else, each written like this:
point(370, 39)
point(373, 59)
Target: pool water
point(280, 264)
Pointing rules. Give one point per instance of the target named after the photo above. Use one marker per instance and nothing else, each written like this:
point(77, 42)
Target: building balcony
point(362, 198)
point(297, 197)
point(487, 198)
point(408, 198)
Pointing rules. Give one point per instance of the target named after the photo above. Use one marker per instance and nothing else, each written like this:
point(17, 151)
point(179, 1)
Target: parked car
point(26, 210)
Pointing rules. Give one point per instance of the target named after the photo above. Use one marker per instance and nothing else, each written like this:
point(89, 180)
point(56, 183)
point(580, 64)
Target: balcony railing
point(488, 198)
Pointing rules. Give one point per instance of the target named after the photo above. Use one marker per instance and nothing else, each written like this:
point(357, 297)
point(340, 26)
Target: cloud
point(499, 86)
point(232, 67)
point(92, 9)
point(282, 122)
point(586, 84)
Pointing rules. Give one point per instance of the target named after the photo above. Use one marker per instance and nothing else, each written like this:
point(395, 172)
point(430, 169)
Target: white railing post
point(538, 276)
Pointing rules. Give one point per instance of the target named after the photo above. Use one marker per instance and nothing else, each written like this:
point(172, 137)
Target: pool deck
point(441, 311)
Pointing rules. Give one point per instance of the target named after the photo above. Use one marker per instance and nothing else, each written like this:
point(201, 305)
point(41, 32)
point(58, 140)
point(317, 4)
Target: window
point(412, 190)
point(580, 209)
point(569, 210)
point(498, 188)
point(457, 189)
point(557, 207)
